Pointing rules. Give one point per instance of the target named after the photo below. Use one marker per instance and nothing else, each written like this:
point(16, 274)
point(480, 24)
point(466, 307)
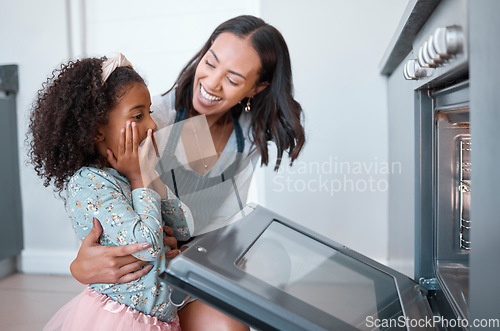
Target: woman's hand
point(126, 161)
point(107, 264)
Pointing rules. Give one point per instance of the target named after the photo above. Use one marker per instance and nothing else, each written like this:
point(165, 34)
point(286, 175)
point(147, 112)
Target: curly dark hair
point(69, 108)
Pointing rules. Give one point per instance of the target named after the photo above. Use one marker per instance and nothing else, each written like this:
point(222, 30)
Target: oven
point(273, 274)
point(439, 69)
point(445, 63)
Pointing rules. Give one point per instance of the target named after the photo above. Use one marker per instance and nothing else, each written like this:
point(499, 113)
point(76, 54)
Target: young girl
point(86, 127)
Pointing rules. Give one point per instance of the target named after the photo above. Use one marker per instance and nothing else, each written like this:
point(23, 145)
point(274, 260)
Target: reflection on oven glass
point(321, 276)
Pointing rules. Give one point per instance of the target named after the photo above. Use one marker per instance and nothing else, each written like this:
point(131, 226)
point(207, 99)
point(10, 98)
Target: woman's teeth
point(207, 96)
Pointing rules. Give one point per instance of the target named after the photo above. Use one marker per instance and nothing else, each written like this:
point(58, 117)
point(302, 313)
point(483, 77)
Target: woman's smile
point(207, 96)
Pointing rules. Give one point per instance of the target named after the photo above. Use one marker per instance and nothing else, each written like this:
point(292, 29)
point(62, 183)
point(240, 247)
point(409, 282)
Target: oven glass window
point(321, 276)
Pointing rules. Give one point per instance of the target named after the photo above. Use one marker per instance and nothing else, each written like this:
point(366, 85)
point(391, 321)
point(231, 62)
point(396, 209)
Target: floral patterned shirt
point(129, 217)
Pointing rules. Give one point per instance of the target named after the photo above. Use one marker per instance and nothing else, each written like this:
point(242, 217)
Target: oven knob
point(423, 57)
point(405, 72)
point(420, 58)
point(448, 41)
point(409, 73)
point(413, 70)
point(431, 52)
point(427, 58)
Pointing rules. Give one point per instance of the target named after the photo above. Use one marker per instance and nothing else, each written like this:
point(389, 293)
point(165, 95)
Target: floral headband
point(114, 61)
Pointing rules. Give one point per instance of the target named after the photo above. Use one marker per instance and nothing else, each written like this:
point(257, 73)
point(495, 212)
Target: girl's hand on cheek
point(126, 161)
point(148, 155)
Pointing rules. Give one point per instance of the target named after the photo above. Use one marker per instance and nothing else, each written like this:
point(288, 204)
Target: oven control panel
point(439, 50)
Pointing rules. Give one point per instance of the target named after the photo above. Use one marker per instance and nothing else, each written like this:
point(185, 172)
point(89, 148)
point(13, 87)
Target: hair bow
point(112, 62)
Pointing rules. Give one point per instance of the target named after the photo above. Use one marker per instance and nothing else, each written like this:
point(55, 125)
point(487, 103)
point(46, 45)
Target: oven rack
point(464, 188)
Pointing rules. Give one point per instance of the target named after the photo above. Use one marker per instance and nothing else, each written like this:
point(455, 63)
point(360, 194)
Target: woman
point(241, 81)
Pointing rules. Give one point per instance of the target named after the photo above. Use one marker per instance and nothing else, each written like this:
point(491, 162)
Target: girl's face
point(226, 74)
point(134, 106)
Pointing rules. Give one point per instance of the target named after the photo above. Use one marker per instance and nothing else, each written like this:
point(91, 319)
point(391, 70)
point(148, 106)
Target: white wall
point(335, 47)
point(157, 36)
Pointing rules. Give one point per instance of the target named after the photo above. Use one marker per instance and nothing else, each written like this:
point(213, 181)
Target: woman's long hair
point(276, 115)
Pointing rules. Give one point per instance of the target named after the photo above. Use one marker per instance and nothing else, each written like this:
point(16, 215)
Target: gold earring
point(247, 107)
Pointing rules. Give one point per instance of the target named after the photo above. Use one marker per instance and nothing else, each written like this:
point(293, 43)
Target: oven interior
point(452, 192)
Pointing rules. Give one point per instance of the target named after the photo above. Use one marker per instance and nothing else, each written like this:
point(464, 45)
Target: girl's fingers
point(147, 141)
point(144, 149)
point(111, 157)
point(170, 241)
point(172, 253)
point(154, 143)
point(135, 137)
point(121, 142)
point(128, 138)
point(152, 149)
point(168, 230)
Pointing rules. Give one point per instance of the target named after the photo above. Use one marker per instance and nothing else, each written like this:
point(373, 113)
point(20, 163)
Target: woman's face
point(226, 74)
point(134, 106)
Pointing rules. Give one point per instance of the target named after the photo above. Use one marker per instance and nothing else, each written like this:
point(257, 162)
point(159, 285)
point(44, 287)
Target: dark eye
point(209, 64)
point(138, 117)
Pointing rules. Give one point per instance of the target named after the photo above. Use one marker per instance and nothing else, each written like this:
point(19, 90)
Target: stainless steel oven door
point(271, 273)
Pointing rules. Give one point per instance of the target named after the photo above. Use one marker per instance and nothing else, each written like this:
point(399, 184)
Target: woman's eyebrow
point(215, 55)
point(231, 71)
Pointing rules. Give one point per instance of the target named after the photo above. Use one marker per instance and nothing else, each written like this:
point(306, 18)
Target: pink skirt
point(94, 311)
